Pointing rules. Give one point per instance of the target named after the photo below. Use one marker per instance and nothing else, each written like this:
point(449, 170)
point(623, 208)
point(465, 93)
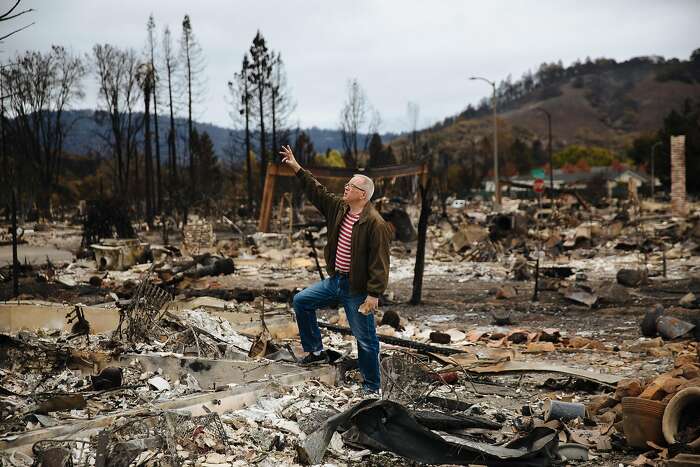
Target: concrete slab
point(35, 255)
point(210, 373)
point(15, 316)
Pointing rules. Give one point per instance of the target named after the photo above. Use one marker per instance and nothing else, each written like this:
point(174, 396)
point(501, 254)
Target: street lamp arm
point(540, 109)
point(483, 79)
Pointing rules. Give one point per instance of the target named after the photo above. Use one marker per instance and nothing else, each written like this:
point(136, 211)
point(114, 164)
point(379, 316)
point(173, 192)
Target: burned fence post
point(310, 237)
point(535, 295)
point(663, 258)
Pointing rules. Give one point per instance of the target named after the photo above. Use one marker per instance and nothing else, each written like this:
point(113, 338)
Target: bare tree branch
point(5, 17)
point(16, 31)
point(42, 86)
point(352, 119)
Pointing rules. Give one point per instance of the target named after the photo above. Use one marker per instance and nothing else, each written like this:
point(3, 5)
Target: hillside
point(599, 103)
point(85, 137)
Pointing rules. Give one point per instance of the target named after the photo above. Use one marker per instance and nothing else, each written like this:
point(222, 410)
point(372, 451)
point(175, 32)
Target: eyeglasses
point(355, 187)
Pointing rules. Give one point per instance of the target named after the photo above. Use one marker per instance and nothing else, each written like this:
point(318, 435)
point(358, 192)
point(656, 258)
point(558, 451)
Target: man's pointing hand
point(289, 159)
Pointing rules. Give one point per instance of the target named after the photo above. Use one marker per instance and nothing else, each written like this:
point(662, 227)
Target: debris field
point(557, 336)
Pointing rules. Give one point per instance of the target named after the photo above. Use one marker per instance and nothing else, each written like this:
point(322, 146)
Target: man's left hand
point(370, 305)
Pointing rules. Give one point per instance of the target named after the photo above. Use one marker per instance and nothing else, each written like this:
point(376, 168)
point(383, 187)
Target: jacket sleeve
point(325, 201)
point(378, 265)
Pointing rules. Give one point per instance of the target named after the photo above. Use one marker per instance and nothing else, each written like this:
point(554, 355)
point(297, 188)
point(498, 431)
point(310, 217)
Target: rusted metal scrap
point(81, 326)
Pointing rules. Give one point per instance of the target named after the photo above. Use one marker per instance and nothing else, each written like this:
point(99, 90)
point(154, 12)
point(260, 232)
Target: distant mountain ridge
point(593, 103)
point(84, 135)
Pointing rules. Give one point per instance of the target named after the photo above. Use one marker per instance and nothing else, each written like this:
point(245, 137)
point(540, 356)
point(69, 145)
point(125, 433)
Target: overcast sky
point(399, 50)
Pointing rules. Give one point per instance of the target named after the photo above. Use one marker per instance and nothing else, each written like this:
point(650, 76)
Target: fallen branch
point(419, 346)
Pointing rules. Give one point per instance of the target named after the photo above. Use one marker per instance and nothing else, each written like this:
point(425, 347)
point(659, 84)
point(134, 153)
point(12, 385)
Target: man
point(357, 261)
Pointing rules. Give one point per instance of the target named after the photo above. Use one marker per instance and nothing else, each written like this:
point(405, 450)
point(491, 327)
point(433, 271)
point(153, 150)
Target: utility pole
point(653, 180)
point(497, 183)
point(5, 165)
point(549, 151)
point(9, 182)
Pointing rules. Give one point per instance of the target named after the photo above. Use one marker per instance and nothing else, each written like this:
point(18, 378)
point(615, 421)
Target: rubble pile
point(476, 234)
point(199, 366)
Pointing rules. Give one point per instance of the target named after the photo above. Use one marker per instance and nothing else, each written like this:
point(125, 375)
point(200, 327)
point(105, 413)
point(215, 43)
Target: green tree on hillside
point(594, 156)
point(332, 158)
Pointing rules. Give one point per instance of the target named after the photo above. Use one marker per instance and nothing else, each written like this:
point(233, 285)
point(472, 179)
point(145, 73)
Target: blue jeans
point(322, 294)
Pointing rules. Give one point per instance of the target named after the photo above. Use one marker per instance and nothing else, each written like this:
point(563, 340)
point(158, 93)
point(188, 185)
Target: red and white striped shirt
point(342, 253)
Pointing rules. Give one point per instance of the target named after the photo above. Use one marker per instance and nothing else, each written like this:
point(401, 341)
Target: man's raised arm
point(319, 196)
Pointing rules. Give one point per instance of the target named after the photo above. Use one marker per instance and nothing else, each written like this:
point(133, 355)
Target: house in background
point(619, 180)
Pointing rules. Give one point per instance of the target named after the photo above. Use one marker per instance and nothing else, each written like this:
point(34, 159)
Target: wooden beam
point(268, 195)
point(378, 173)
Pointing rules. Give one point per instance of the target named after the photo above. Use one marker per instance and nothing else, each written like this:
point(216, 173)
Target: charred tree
point(426, 199)
point(170, 65)
point(187, 51)
point(118, 92)
point(146, 81)
point(259, 71)
point(151, 45)
point(245, 109)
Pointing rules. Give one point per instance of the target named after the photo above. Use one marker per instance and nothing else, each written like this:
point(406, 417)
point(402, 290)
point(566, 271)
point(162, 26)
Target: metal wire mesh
point(63, 453)
point(121, 445)
point(405, 378)
point(143, 312)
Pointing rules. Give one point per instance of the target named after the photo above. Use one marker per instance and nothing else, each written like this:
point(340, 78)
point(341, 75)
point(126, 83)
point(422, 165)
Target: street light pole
point(653, 180)
point(497, 183)
point(549, 151)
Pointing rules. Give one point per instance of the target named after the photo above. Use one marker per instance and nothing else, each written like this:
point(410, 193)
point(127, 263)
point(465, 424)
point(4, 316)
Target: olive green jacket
point(369, 260)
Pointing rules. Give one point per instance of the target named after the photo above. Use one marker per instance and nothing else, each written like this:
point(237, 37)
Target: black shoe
point(367, 393)
point(312, 359)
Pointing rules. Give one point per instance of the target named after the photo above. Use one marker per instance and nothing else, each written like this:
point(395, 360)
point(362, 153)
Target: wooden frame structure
point(282, 170)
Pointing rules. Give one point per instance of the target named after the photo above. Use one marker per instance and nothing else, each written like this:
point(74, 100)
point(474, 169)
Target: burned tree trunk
point(151, 45)
point(146, 77)
point(422, 237)
point(248, 163)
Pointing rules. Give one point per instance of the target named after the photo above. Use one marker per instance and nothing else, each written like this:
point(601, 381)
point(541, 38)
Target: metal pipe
point(653, 179)
point(549, 150)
